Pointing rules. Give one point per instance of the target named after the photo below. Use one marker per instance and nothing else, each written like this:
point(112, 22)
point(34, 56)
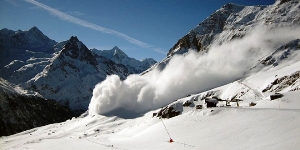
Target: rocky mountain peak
point(149, 61)
point(73, 43)
point(35, 30)
point(116, 48)
point(231, 6)
point(77, 50)
point(36, 33)
point(73, 39)
point(118, 53)
point(119, 57)
point(6, 32)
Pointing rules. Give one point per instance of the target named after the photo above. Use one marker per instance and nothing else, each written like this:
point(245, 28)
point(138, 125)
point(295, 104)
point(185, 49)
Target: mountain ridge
point(56, 68)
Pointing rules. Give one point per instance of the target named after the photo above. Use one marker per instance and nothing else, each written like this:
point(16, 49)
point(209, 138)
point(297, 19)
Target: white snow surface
point(268, 125)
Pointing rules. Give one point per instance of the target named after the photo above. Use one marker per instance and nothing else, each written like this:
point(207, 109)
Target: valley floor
point(268, 125)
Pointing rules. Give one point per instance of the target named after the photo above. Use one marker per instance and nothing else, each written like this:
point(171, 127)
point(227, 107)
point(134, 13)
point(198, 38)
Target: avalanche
point(190, 73)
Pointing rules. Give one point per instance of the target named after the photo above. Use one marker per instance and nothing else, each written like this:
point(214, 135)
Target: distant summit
point(77, 50)
point(119, 57)
point(118, 52)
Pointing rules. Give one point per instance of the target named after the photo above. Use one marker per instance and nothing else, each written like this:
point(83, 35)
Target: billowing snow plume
point(189, 73)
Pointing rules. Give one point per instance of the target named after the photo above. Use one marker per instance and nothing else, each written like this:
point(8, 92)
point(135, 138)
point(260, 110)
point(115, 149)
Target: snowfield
point(268, 125)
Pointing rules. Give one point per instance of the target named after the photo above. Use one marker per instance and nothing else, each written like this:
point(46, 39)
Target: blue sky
point(141, 28)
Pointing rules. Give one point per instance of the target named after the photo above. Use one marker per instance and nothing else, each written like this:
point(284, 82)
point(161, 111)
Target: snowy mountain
point(234, 92)
point(119, 57)
point(56, 69)
point(21, 111)
point(232, 22)
point(72, 74)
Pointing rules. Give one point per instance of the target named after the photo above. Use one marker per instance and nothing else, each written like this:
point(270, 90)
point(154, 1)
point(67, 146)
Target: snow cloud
point(187, 74)
point(90, 25)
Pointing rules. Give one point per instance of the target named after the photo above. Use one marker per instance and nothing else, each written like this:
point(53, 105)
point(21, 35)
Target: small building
point(211, 102)
point(198, 106)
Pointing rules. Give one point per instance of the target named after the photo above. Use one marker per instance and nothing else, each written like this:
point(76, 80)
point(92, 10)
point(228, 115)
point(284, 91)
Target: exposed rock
point(281, 53)
point(292, 81)
point(170, 111)
point(252, 104)
point(188, 103)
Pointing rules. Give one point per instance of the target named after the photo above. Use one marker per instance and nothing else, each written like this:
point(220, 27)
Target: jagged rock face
point(19, 112)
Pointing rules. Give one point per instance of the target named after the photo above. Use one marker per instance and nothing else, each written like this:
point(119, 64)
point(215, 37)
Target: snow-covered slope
point(269, 125)
point(119, 57)
point(21, 110)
